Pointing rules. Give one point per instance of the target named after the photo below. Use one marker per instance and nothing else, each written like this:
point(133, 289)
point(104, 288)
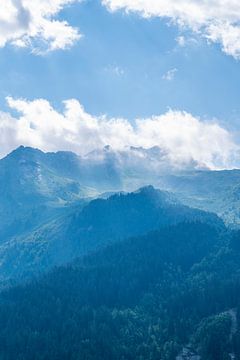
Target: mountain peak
point(148, 189)
point(157, 196)
point(24, 150)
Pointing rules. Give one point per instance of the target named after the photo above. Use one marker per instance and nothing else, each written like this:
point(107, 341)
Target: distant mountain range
point(214, 191)
point(54, 182)
point(97, 264)
point(84, 229)
point(49, 215)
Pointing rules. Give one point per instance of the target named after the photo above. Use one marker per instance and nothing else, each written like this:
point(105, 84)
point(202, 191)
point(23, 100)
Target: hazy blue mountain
point(35, 187)
point(130, 214)
point(100, 222)
point(215, 191)
point(45, 220)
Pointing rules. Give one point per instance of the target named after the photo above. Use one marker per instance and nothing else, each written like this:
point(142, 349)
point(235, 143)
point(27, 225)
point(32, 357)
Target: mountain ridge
point(87, 228)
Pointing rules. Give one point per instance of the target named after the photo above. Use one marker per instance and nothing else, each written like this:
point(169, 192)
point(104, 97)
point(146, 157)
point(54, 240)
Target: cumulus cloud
point(217, 20)
point(181, 137)
point(33, 23)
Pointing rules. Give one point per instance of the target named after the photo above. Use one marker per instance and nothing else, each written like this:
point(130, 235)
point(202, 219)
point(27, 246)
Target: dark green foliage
point(212, 337)
point(142, 298)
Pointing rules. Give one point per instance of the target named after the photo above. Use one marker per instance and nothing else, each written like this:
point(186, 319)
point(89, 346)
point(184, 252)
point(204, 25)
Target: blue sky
point(117, 68)
point(127, 64)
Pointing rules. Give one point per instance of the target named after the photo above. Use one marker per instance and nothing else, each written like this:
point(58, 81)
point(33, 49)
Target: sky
point(78, 75)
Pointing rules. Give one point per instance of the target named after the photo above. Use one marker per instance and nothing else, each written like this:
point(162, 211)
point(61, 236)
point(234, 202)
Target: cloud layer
point(33, 23)
point(182, 138)
point(216, 20)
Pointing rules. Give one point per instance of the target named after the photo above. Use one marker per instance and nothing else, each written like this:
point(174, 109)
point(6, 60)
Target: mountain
point(142, 298)
point(129, 214)
point(214, 191)
point(105, 272)
point(36, 187)
point(48, 218)
point(97, 224)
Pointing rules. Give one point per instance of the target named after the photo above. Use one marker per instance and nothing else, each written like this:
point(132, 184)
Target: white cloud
point(181, 40)
point(217, 20)
point(33, 23)
point(184, 41)
point(170, 74)
point(182, 138)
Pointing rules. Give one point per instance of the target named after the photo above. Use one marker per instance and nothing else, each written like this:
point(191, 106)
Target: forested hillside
point(125, 275)
point(143, 298)
point(89, 227)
